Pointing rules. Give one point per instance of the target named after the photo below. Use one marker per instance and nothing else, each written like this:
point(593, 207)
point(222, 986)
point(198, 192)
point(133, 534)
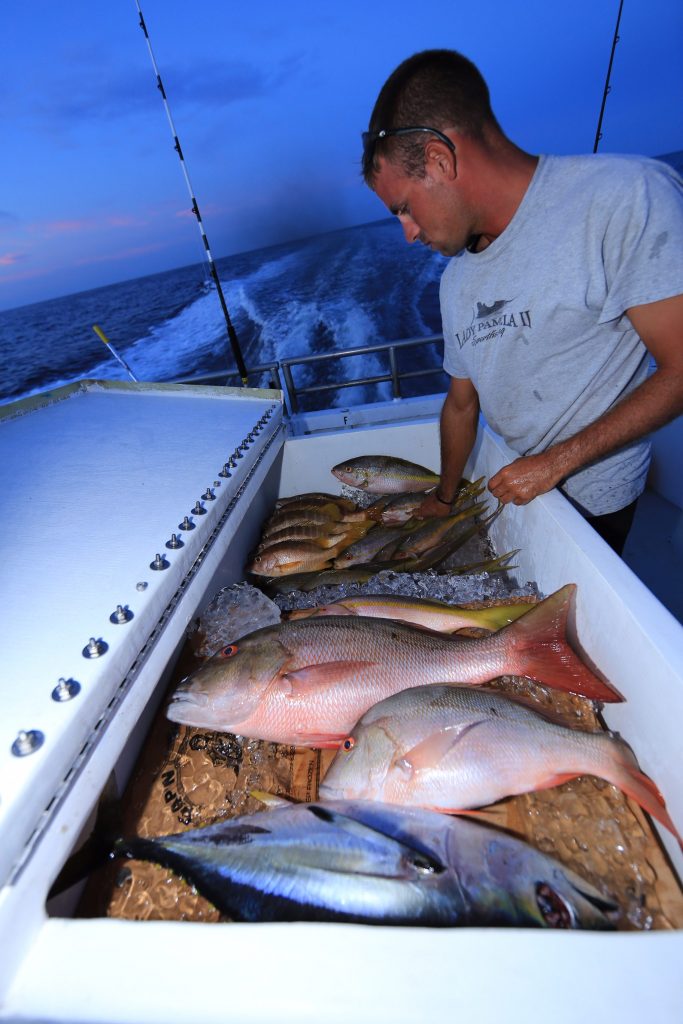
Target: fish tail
point(625, 773)
point(540, 649)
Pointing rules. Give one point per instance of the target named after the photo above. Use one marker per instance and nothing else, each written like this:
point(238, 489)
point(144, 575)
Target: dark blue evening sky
point(269, 100)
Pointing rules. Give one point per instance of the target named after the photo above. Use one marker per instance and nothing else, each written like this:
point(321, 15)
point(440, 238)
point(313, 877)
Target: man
point(566, 277)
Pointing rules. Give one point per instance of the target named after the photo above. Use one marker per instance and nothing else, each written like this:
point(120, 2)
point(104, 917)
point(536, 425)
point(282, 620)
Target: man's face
point(428, 208)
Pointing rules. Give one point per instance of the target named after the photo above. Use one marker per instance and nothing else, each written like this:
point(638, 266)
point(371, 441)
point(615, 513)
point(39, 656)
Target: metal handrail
point(281, 372)
point(224, 377)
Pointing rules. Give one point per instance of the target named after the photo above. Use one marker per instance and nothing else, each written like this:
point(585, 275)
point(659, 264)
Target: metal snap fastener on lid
point(27, 742)
point(65, 690)
point(94, 648)
point(121, 615)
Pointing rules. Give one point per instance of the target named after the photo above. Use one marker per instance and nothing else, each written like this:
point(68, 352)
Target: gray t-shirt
point(537, 320)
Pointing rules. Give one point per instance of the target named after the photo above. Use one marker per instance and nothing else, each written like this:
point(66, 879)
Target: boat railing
point(279, 374)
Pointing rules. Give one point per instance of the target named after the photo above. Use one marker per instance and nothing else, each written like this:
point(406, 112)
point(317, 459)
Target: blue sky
point(269, 100)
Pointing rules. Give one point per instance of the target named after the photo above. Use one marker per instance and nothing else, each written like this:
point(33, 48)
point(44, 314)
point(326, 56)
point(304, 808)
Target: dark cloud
point(90, 93)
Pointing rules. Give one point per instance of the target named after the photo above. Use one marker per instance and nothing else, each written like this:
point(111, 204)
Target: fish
point(437, 615)
point(401, 508)
point(374, 864)
point(300, 517)
point(314, 499)
point(501, 563)
point(434, 531)
point(307, 682)
point(385, 474)
point(452, 748)
point(308, 581)
point(380, 541)
point(324, 534)
point(295, 556)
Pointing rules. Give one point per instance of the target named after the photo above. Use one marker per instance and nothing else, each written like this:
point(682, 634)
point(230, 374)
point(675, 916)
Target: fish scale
point(453, 748)
point(308, 681)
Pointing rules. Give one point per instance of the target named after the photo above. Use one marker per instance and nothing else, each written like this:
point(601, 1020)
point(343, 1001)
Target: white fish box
point(97, 478)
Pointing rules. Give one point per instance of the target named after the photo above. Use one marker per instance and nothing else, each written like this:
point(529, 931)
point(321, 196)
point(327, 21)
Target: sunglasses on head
point(370, 138)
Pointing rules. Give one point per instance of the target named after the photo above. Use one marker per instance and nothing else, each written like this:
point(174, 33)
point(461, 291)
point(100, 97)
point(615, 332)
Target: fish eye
point(349, 743)
point(553, 909)
point(228, 651)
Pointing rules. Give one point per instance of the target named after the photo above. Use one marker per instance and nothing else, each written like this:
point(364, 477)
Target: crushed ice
point(452, 589)
point(233, 612)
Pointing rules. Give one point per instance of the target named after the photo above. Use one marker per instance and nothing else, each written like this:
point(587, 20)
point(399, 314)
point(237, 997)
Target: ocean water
point(345, 289)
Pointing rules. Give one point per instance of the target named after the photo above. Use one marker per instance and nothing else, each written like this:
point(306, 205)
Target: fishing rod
point(608, 87)
point(232, 334)
point(119, 359)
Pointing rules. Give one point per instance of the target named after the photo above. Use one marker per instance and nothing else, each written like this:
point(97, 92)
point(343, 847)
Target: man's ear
point(441, 159)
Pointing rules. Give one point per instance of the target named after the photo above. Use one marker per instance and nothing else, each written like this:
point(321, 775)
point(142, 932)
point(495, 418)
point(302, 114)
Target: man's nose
point(410, 229)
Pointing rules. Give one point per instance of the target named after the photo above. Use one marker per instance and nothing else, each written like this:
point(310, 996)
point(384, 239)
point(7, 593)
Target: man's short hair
point(436, 88)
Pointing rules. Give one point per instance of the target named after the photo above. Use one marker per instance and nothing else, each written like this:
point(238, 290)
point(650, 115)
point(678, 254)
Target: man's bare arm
point(655, 402)
point(459, 418)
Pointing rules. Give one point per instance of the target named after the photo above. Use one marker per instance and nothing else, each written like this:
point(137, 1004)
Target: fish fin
point(413, 854)
point(429, 752)
point(540, 650)
point(374, 511)
point(310, 678)
point(556, 779)
point(467, 812)
point(546, 711)
point(97, 849)
point(639, 787)
point(320, 740)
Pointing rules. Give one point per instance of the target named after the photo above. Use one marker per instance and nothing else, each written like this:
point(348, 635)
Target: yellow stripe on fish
point(437, 615)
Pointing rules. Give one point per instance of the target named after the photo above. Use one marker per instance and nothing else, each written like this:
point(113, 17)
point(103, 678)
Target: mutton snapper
point(385, 474)
point(307, 682)
point(374, 864)
point(452, 748)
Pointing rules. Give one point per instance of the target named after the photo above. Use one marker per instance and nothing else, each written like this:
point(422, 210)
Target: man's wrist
point(443, 501)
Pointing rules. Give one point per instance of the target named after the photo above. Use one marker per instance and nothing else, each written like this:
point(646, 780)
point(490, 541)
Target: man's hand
point(526, 478)
point(431, 508)
point(652, 404)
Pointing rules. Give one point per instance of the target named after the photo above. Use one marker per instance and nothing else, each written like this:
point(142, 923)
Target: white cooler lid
point(96, 477)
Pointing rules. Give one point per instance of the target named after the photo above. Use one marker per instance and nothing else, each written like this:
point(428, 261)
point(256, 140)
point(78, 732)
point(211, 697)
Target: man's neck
point(498, 176)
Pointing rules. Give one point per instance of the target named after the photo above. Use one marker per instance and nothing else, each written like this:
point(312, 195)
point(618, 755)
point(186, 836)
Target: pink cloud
point(8, 259)
point(21, 275)
point(68, 227)
point(122, 254)
point(125, 220)
point(55, 228)
point(209, 208)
